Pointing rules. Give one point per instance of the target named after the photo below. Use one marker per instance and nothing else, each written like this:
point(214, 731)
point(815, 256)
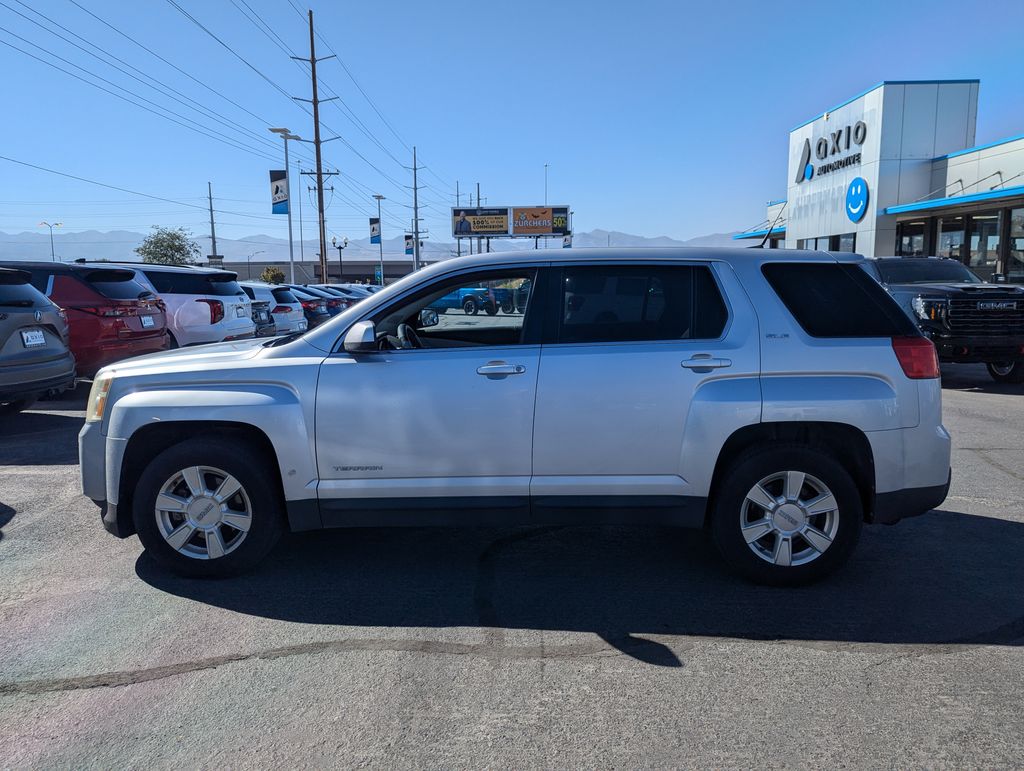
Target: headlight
point(98, 397)
point(930, 308)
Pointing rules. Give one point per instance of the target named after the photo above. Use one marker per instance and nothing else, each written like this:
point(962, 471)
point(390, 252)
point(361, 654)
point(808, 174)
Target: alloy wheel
point(203, 512)
point(789, 518)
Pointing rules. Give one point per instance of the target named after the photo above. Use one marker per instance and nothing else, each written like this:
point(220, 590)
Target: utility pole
point(458, 203)
point(213, 230)
point(315, 101)
point(415, 215)
point(380, 224)
point(479, 241)
point(546, 183)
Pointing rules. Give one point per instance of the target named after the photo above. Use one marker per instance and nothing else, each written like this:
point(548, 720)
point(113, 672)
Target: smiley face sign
point(857, 199)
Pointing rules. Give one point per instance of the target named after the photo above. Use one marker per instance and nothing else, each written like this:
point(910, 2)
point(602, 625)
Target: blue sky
point(657, 118)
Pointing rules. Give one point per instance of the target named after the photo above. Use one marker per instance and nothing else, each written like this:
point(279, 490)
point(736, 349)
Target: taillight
point(917, 356)
point(282, 309)
point(63, 314)
point(216, 309)
point(333, 303)
point(310, 305)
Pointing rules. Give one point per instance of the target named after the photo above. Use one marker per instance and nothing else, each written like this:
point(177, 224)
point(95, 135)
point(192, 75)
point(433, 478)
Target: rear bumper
point(92, 358)
point(891, 507)
point(31, 379)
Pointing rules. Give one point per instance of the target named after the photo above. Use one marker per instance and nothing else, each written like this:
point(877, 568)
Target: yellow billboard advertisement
point(540, 220)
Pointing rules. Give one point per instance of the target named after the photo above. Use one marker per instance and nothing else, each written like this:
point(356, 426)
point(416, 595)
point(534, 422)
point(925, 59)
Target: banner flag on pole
point(279, 191)
point(408, 243)
point(374, 230)
point(567, 241)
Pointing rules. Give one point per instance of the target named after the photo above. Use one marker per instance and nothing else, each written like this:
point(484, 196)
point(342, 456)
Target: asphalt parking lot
point(540, 647)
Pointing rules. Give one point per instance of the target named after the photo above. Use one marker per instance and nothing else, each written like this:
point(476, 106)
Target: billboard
point(278, 191)
point(469, 222)
point(540, 220)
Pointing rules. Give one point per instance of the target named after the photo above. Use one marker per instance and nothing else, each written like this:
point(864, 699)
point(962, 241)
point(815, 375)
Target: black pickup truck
point(968, 319)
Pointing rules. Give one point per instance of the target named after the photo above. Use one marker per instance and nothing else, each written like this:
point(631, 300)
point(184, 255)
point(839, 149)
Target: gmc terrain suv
point(967, 319)
point(780, 399)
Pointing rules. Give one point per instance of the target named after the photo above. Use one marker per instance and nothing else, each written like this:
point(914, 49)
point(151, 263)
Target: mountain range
point(119, 245)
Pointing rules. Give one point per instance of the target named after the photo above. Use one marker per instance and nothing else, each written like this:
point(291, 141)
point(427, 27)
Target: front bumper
point(965, 349)
point(891, 507)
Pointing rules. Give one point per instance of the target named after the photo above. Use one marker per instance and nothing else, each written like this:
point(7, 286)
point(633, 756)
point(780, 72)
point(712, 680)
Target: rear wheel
point(470, 307)
point(786, 515)
point(1006, 371)
point(207, 507)
point(507, 306)
point(491, 308)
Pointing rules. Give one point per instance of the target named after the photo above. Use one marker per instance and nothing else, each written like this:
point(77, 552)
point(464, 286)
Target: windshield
point(925, 271)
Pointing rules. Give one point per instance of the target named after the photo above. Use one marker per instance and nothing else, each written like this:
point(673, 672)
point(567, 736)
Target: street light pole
point(546, 183)
point(248, 264)
point(380, 223)
point(286, 135)
point(341, 265)
point(53, 257)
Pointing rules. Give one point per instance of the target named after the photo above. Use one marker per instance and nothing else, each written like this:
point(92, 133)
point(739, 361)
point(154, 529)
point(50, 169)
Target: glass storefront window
point(951, 238)
point(910, 238)
point(1015, 258)
point(847, 242)
point(984, 243)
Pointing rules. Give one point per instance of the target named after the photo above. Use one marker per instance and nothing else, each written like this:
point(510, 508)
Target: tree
point(272, 275)
point(169, 246)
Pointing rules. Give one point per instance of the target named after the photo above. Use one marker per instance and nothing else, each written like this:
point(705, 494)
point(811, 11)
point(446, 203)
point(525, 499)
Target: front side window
point(609, 304)
point(482, 309)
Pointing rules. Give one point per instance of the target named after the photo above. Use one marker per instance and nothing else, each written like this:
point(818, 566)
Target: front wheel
point(786, 515)
point(470, 307)
point(1006, 371)
point(208, 507)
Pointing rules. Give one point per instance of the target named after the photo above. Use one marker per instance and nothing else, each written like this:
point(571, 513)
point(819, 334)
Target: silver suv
point(778, 398)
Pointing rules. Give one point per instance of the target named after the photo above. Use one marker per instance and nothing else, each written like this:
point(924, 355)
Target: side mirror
point(428, 318)
point(361, 338)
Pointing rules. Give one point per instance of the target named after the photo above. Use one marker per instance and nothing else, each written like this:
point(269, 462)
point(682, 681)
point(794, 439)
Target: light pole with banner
point(286, 135)
point(380, 236)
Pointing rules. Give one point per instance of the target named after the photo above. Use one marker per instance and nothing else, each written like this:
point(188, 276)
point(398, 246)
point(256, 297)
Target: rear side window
point(248, 291)
point(284, 296)
point(608, 304)
point(173, 282)
point(837, 300)
point(115, 284)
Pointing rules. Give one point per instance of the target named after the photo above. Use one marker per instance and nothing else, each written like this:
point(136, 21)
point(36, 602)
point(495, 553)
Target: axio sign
point(826, 148)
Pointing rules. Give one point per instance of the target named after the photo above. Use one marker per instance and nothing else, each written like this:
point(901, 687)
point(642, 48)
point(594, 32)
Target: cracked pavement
point(515, 647)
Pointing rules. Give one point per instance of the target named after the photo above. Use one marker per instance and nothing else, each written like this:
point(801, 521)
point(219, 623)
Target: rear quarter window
point(837, 300)
point(16, 293)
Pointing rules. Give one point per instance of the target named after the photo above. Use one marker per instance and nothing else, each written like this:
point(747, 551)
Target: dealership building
point(895, 171)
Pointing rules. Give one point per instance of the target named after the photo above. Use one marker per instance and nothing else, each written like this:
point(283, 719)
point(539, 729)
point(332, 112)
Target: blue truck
point(472, 300)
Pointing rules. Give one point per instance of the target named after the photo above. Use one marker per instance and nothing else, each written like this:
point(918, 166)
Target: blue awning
point(759, 233)
point(956, 200)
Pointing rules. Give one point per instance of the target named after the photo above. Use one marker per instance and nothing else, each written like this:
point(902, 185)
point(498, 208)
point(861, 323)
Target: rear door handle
point(500, 369)
point(706, 363)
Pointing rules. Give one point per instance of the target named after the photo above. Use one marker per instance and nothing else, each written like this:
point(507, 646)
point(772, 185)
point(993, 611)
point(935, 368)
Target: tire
point(469, 307)
point(1006, 372)
point(835, 530)
point(15, 406)
point(491, 308)
point(507, 306)
point(258, 496)
point(174, 341)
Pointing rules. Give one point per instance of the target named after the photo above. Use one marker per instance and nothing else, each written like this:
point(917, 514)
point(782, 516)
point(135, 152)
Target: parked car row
point(62, 320)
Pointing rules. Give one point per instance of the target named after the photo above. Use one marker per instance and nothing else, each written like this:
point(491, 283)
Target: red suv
point(111, 315)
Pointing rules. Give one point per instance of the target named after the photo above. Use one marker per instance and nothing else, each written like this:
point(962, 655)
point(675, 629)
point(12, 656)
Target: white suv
point(780, 399)
point(284, 305)
point(204, 305)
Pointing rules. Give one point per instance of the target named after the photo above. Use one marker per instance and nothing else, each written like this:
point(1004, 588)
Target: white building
point(894, 171)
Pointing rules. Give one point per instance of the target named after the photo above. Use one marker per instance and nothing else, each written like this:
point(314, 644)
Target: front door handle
point(703, 362)
point(498, 369)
